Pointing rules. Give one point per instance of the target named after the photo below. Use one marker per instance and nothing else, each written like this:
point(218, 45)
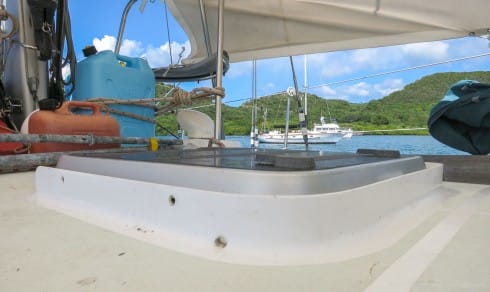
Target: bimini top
point(257, 29)
point(462, 118)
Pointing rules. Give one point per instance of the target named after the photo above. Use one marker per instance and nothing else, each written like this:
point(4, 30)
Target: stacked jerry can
point(108, 75)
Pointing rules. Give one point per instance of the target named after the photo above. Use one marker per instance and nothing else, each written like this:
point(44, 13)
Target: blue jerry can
point(109, 75)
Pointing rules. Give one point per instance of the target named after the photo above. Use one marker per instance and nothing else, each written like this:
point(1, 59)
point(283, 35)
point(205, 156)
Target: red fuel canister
point(64, 121)
point(8, 148)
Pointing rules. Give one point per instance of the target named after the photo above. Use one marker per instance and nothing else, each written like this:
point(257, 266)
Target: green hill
point(407, 108)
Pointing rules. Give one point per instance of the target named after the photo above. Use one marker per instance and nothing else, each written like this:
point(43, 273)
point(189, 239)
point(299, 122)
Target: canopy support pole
point(123, 24)
point(205, 29)
point(218, 135)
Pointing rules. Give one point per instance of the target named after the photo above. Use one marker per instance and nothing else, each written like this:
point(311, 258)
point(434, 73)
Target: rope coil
point(179, 97)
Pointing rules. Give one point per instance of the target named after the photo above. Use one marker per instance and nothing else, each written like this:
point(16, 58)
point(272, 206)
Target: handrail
point(123, 24)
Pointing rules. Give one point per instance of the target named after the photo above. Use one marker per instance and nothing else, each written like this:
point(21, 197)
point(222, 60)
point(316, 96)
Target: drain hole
point(220, 241)
point(171, 200)
point(62, 179)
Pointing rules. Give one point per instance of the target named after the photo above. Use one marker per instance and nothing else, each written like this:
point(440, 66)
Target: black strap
point(202, 70)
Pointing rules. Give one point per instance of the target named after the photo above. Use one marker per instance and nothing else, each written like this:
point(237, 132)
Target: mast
point(253, 130)
point(286, 126)
point(306, 87)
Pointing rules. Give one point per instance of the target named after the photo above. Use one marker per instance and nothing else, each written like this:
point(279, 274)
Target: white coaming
point(258, 229)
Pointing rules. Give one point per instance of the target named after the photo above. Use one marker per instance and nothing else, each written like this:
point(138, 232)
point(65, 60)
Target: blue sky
point(97, 23)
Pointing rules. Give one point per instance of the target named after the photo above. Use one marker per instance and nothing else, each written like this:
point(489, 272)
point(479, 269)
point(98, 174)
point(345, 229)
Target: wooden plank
point(26, 162)
point(463, 168)
point(82, 139)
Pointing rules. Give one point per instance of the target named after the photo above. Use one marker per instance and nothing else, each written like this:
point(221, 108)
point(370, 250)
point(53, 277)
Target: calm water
point(405, 144)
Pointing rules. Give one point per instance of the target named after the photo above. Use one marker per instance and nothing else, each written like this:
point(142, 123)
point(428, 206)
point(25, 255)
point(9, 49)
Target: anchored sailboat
point(320, 134)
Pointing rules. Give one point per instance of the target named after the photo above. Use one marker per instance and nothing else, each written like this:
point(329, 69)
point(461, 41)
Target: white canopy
point(256, 29)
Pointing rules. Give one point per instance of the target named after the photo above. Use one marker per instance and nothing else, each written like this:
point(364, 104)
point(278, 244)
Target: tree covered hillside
point(407, 108)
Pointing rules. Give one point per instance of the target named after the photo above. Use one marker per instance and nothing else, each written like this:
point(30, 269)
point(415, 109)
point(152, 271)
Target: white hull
point(347, 134)
point(297, 138)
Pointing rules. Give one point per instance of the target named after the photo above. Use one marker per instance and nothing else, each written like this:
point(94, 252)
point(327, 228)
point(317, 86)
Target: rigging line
point(212, 104)
point(301, 113)
point(328, 110)
point(168, 32)
point(205, 30)
point(200, 106)
point(250, 99)
point(229, 101)
point(401, 70)
point(242, 99)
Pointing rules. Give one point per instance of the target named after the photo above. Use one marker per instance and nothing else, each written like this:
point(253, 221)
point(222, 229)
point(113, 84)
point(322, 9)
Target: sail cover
point(256, 29)
point(462, 118)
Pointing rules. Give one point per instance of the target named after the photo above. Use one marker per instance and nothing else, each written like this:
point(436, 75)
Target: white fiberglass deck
point(43, 250)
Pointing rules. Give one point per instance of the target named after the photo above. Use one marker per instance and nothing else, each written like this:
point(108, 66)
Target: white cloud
point(131, 48)
point(327, 91)
point(157, 57)
point(240, 69)
point(361, 91)
point(426, 51)
point(106, 43)
point(329, 64)
point(366, 55)
point(335, 69)
point(338, 64)
point(388, 86)
point(128, 47)
point(376, 60)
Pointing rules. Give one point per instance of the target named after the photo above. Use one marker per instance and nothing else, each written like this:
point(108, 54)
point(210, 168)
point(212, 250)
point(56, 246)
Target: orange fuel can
point(65, 121)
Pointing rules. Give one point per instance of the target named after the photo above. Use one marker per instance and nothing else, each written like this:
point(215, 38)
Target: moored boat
point(319, 135)
point(332, 127)
point(323, 133)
